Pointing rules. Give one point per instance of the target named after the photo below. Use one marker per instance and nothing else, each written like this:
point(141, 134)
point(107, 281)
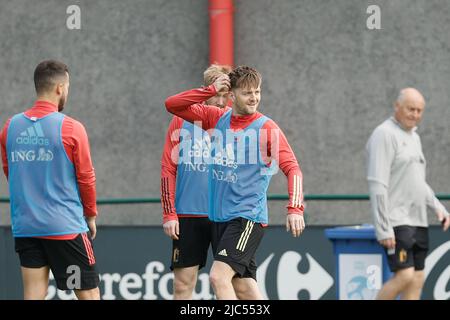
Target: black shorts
point(191, 248)
point(235, 242)
point(411, 247)
point(64, 257)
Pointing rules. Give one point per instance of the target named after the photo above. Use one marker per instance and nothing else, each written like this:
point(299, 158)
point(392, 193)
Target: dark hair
point(47, 73)
point(244, 76)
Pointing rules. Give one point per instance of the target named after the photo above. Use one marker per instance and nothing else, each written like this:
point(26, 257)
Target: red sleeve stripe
point(88, 247)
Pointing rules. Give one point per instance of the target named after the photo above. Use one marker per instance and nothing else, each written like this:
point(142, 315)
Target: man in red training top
point(47, 162)
point(246, 149)
point(184, 193)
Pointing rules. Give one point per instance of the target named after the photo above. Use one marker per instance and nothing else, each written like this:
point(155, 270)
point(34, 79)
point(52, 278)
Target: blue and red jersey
point(189, 106)
point(74, 147)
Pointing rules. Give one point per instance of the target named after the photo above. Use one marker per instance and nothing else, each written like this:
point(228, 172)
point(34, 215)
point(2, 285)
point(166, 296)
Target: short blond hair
point(213, 72)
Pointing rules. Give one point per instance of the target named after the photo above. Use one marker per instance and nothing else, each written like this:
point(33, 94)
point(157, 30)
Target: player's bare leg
point(220, 277)
point(397, 284)
point(184, 282)
point(247, 289)
point(414, 289)
point(90, 294)
point(35, 282)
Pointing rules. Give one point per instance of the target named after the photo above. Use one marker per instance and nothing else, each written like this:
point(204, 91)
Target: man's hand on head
point(222, 83)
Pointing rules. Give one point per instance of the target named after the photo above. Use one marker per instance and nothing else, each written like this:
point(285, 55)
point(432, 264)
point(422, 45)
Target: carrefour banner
point(134, 264)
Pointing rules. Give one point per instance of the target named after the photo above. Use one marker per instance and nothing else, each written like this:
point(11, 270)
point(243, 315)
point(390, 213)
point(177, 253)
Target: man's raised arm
point(189, 105)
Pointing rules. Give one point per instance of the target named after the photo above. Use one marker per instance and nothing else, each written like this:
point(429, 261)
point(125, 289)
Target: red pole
point(221, 32)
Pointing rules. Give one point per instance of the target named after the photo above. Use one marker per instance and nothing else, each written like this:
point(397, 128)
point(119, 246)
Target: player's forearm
point(79, 151)
point(185, 104)
point(190, 97)
point(5, 167)
point(379, 208)
point(295, 190)
point(433, 203)
point(168, 185)
point(86, 184)
point(88, 195)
